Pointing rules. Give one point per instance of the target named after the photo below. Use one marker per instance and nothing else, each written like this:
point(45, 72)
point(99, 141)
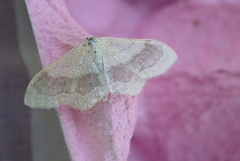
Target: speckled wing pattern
point(89, 72)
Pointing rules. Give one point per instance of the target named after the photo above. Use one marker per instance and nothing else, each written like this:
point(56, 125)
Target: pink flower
point(191, 113)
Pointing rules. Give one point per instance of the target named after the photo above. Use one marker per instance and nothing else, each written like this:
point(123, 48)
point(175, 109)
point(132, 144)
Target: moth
point(101, 65)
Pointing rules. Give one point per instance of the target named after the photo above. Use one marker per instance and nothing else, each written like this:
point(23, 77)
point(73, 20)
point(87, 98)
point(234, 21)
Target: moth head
point(91, 40)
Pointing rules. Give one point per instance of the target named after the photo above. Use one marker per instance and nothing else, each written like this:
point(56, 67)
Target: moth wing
point(121, 79)
point(146, 58)
point(73, 80)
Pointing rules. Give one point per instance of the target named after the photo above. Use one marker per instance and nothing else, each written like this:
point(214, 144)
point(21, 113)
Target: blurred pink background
point(191, 113)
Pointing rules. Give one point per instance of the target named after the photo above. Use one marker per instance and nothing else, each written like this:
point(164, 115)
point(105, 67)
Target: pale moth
point(101, 65)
